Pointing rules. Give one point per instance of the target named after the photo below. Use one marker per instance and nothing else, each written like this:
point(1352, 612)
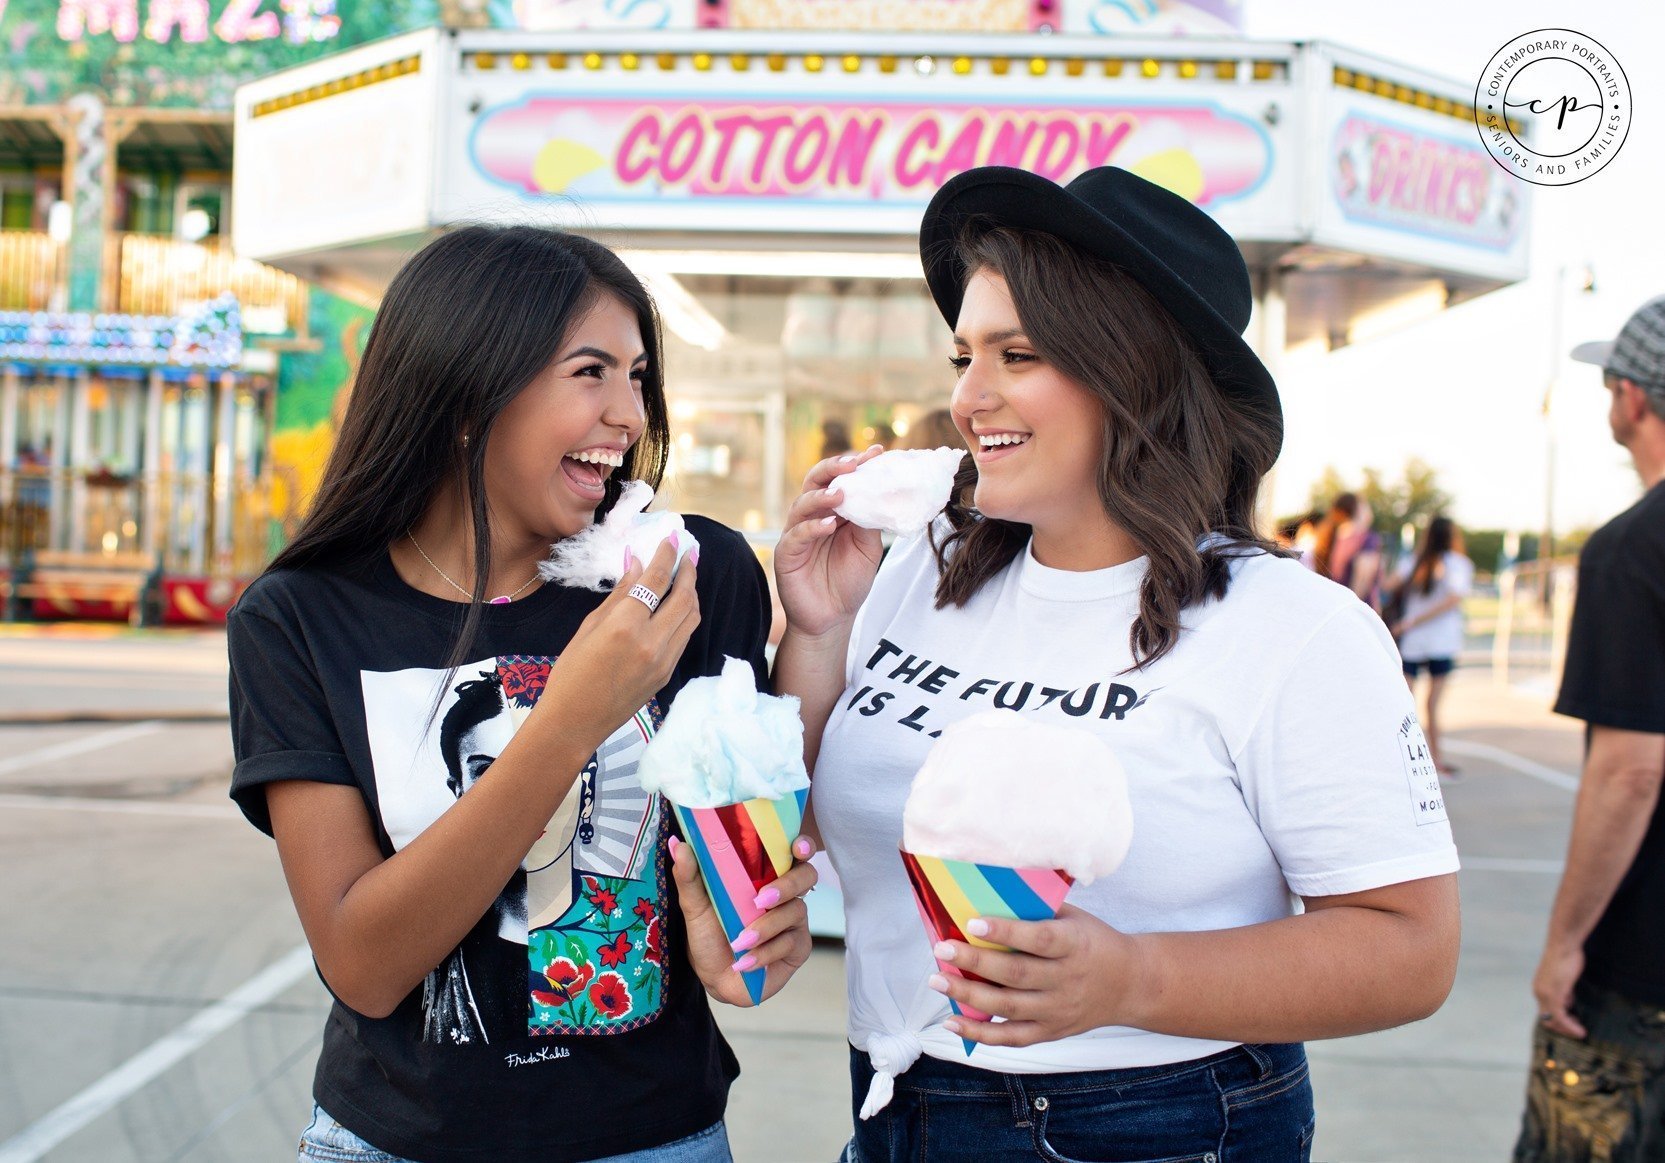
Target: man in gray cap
point(1597, 1084)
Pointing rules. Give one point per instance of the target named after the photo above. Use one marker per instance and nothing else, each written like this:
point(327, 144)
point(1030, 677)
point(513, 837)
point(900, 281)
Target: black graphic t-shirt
point(568, 1024)
point(1615, 677)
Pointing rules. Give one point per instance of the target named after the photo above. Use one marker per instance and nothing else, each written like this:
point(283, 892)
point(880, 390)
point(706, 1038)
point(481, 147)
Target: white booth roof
point(787, 153)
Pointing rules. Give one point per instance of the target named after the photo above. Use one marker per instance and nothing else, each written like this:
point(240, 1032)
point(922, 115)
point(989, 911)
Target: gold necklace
point(500, 600)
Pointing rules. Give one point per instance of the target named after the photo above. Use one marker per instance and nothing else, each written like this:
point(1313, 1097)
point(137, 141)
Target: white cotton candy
point(900, 492)
point(725, 742)
point(1001, 788)
point(593, 559)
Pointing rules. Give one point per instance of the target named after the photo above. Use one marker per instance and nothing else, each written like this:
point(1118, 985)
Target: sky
point(1464, 389)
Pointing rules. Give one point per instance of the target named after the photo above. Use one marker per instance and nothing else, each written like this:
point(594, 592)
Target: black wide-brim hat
point(1173, 250)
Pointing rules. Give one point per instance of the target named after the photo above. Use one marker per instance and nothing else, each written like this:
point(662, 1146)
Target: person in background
point(1321, 552)
point(1428, 623)
point(1347, 550)
point(1300, 534)
point(935, 429)
point(1357, 560)
point(1596, 1089)
point(835, 438)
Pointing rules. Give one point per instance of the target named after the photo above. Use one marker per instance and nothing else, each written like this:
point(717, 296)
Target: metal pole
point(1269, 324)
point(774, 461)
point(10, 489)
point(1505, 626)
point(224, 474)
point(151, 532)
point(1546, 545)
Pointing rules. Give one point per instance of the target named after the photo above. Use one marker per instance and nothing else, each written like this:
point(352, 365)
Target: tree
point(1414, 499)
point(187, 53)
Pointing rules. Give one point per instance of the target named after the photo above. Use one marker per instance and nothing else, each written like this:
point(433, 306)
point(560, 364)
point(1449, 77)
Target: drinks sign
point(1412, 181)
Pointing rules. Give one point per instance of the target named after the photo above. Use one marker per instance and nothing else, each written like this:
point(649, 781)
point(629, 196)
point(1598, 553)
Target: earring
point(465, 440)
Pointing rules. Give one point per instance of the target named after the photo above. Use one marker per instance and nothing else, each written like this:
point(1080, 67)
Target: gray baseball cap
point(1638, 353)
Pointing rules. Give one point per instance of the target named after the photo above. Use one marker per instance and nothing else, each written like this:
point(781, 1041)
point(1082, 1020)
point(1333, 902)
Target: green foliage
point(310, 382)
point(1415, 498)
point(37, 66)
point(1485, 546)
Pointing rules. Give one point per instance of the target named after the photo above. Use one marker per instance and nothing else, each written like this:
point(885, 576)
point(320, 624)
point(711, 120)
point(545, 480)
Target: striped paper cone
point(741, 848)
point(951, 892)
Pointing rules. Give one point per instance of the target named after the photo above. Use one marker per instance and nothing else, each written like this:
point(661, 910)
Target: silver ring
point(645, 596)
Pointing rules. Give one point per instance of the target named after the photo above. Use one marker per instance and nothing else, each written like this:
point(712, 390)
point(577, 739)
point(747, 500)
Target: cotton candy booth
point(768, 185)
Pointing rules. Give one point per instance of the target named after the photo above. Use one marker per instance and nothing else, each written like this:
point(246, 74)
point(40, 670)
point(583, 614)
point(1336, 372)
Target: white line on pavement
point(80, 746)
point(1512, 864)
point(131, 807)
point(1512, 761)
point(46, 1132)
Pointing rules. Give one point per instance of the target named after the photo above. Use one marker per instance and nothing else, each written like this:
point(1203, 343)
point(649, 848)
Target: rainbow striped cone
point(951, 892)
point(741, 848)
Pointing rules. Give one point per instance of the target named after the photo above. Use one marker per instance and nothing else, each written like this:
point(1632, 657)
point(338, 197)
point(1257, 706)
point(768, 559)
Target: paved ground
point(155, 1003)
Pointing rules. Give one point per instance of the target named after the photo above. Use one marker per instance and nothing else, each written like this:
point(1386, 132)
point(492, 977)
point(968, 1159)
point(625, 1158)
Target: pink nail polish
point(672, 845)
point(943, 951)
point(768, 898)
point(977, 927)
point(629, 559)
point(803, 847)
point(745, 963)
point(746, 939)
point(938, 982)
point(693, 557)
point(676, 540)
point(952, 1027)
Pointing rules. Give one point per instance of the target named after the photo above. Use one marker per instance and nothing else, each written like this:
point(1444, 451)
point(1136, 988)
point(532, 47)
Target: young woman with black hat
point(1105, 537)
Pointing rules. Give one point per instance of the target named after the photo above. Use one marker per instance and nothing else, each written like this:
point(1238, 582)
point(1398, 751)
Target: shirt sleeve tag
point(1427, 797)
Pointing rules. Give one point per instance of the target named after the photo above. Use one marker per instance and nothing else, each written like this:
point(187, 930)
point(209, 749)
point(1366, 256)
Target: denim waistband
point(1238, 1066)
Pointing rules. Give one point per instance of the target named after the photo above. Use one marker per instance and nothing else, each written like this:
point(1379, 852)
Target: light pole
point(1587, 284)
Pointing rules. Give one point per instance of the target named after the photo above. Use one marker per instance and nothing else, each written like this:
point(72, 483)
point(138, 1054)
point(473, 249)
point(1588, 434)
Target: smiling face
point(1037, 436)
point(557, 441)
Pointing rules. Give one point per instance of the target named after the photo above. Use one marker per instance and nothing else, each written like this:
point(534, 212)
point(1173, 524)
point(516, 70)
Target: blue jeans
point(1251, 1104)
point(327, 1141)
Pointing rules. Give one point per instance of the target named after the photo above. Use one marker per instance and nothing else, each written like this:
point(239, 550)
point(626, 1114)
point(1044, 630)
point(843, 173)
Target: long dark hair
point(1180, 460)
point(467, 324)
point(1436, 543)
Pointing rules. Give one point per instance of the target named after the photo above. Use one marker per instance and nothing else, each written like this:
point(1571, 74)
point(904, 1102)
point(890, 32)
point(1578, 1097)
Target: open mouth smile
point(588, 469)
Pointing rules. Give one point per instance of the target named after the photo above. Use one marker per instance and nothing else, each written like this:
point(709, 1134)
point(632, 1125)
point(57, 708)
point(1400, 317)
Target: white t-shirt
point(1274, 751)
point(1441, 636)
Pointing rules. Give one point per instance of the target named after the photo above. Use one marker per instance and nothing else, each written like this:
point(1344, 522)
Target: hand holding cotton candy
point(593, 559)
point(731, 762)
point(900, 492)
point(1001, 788)
point(724, 742)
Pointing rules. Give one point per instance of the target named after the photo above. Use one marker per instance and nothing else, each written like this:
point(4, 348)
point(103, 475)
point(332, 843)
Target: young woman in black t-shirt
point(444, 746)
